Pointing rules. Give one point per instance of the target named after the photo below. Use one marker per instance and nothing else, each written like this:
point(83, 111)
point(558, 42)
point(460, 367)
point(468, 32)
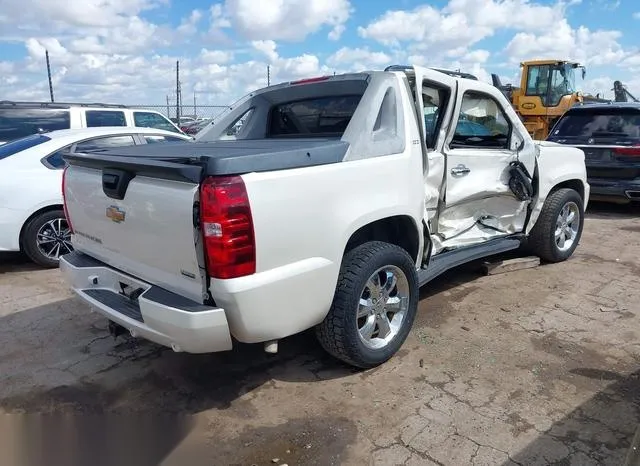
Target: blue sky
point(125, 50)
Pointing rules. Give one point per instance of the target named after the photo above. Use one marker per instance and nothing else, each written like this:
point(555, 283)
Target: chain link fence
point(186, 112)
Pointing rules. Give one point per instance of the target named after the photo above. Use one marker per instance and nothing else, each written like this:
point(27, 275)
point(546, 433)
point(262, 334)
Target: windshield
point(20, 122)
point(19, 145)
point(604, 125)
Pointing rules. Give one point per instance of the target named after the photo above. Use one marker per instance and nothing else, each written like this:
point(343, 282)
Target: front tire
point(556, 234)
point(46, 237)
point(374, 305)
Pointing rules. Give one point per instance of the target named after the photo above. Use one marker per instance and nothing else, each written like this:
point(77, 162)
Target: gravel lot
point(539, 366)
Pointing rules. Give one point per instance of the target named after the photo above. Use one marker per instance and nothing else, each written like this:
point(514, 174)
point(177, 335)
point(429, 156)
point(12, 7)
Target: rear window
point(17, 123)
point(19, 145)
point(613, 125)
point(320, 116)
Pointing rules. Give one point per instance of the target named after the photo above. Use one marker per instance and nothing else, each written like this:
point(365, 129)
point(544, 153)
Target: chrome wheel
point(383, 306)
point(567, 226)
point(53, 238)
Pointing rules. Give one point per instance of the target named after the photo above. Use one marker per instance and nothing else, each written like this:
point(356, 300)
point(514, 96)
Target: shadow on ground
point(606, 210)
point(597, 432)
point(16, 262)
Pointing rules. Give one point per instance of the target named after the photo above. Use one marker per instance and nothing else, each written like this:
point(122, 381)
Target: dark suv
point(609, 135)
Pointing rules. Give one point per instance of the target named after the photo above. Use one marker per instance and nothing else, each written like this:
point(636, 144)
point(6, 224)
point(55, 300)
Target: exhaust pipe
point(633, 194)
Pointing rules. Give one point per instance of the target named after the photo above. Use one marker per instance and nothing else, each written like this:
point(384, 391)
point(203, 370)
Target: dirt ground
point(539, 366)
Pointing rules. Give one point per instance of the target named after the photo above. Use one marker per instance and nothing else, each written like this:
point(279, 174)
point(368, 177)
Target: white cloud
point(358, 59)
point(287, 19)
point(219, 57)
point(74, 13)
point(636, 15)
point(461, 23)
point(267, 48)
point(563, 42)
point(189, 25)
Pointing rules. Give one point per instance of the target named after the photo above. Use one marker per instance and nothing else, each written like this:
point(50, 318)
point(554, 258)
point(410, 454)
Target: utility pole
point(168, 114)
point(46, 54)
point(268, 75)
point(195, 106)
point(178, 92)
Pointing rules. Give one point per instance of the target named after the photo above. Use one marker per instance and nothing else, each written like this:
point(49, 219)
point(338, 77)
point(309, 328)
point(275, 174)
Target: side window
point(55, 160)
point(482, 123)
point(105, 118)
point(153, 139)
point(152, 120)
point(434, 101)
point(234, 128)
point(104, 143)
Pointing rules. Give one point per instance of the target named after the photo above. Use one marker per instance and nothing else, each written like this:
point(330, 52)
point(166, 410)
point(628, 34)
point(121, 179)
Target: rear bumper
point(156, 315)
point(621, 189)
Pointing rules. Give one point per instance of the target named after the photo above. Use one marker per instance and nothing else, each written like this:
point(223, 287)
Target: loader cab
point(550, 82)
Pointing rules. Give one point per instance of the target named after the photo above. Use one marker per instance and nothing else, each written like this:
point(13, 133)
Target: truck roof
point(55, 105)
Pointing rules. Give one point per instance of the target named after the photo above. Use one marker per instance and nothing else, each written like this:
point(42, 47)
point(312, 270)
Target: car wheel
point(557, 232)
point(47, 237)
point(374, 305)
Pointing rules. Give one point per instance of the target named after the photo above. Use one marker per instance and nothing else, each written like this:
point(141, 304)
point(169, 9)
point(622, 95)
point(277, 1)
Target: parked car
point(609, 135)
point(328, 207)
point(31, 212)
point(19, 119)
point(195, 127)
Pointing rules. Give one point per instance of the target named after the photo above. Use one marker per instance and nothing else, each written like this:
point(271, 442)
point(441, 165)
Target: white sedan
point(31, 208)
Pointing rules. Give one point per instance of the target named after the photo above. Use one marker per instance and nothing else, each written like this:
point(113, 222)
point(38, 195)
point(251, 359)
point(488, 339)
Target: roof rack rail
point(457, 74)
point(58, 104)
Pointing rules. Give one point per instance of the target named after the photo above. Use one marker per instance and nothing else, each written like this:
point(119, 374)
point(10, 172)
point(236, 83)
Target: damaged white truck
point(319, 203)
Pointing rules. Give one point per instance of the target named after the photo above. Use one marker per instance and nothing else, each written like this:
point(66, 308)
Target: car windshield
point(19, 145)
point(606, 125)
point(17, 123)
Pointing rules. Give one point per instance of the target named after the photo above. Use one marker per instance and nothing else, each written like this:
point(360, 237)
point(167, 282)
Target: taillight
point(227, 227)
point(64, 198)
point(632, 151)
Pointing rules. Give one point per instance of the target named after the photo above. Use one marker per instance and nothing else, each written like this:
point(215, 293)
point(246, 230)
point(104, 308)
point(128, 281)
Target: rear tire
point(46, 237)
point(556, 234)
point(374, 305)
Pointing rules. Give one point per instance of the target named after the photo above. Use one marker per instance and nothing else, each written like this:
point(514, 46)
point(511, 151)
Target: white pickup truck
point(319, 203)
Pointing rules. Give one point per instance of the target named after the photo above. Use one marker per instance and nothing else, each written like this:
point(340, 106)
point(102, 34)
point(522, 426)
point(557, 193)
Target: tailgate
point(144, 227)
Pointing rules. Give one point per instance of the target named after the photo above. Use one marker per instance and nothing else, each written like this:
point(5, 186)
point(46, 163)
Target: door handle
point(460, 170)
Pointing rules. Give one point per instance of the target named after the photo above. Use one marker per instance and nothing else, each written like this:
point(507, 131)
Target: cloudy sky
point(124, 51)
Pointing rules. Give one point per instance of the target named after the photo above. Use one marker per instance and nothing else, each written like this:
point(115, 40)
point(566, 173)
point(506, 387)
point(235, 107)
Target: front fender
point(555, 165)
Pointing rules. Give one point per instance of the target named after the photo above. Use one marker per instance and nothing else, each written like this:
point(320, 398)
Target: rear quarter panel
point(303, 219)
point(557, 164)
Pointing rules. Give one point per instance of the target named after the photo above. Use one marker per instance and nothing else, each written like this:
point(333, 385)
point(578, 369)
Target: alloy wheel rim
point(53, 239)
point(567, 226)
point(383, 306)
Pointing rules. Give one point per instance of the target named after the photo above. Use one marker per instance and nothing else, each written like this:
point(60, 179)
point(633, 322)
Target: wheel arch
point(400, 230)
point(40, 211)
point(576, 184)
